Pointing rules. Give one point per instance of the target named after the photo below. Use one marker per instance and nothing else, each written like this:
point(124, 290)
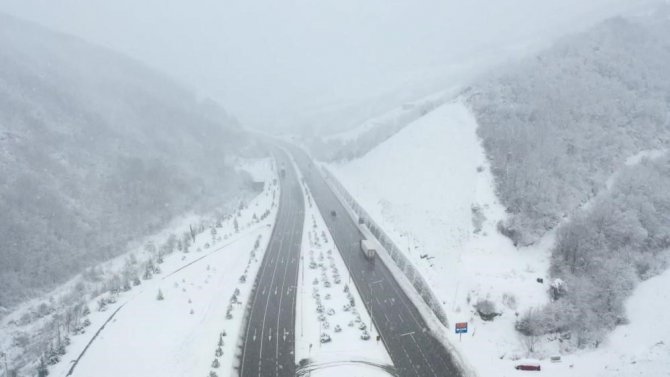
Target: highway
point(413, 350)
point(269, 345)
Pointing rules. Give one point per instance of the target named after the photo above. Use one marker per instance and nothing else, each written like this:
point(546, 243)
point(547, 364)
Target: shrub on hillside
point(606, 249)
point(486, 309)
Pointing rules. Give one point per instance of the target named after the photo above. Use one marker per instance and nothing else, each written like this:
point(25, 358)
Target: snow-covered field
point(329, 306)
point(201, 305)
point(430, 188)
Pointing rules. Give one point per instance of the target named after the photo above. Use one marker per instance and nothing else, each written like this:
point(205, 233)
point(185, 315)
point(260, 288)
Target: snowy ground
point(178, 335)
point(641, 348)
point(324, 308)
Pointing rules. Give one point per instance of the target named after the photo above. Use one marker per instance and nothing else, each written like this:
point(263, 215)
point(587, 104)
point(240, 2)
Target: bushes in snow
point(604, 250)
point(486, 309)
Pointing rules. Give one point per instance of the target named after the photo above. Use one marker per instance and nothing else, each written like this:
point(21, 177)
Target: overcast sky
point(268, 61)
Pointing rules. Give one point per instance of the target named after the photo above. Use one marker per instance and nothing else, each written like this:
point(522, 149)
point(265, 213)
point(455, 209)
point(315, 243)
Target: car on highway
point(333, 213)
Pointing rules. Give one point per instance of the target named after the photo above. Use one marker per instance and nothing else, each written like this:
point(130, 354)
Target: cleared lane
point(414, 351)
point(269, 343)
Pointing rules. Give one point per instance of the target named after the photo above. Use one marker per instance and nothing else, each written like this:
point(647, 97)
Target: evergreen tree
point(42, 370)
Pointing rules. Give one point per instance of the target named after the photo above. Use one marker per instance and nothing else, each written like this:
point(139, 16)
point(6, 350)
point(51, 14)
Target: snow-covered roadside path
point(176, 336)
point(329, 306)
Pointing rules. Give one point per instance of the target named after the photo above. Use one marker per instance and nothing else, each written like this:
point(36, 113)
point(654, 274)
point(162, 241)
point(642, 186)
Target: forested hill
point(578, 140)
point(95, 150)
point(557, 126)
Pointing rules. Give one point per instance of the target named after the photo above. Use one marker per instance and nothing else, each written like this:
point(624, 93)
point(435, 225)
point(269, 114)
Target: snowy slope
point(178, 335)
point(640, 348)
point(421, 185)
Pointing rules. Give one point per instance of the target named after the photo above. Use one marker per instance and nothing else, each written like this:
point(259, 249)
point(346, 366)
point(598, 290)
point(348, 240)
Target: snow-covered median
point(334, 333)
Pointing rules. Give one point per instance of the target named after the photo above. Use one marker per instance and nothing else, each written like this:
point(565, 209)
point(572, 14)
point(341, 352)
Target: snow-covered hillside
point(430, 188)
point(183, 313)
point(92, 140)
point(640, 348)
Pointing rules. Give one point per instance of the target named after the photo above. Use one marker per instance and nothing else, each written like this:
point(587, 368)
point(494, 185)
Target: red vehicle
point(528, 365)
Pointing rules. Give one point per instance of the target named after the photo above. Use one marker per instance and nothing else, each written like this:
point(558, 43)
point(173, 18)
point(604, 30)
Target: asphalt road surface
point(413, 350)
point(269, 346)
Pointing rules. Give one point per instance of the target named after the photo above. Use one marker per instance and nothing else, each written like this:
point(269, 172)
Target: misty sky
point(269, 61)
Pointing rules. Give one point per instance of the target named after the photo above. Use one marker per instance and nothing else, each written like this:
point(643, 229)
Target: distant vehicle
point(333, 213)
point(282, 172)
point(361, 220)
point(533, 365)
point(368, 249)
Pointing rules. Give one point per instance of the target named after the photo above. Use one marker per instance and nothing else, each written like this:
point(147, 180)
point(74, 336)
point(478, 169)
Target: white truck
point(369, 249)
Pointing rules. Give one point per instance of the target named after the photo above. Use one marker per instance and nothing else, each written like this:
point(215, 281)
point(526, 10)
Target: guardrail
point(404, 264)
